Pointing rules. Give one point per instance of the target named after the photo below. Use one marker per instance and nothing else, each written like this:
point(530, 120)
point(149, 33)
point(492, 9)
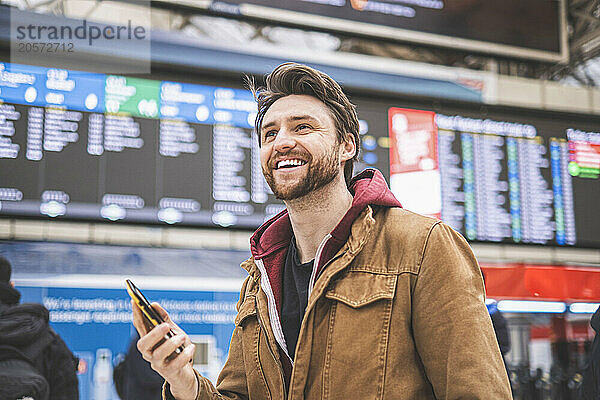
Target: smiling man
point(348, 295)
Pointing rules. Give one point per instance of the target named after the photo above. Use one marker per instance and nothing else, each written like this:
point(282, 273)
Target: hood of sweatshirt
point(21, 324)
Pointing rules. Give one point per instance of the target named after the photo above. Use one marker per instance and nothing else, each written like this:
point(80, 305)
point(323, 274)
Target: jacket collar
point(250, 266)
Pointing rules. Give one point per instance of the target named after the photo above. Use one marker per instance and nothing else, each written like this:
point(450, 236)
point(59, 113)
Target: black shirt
point(296, 277)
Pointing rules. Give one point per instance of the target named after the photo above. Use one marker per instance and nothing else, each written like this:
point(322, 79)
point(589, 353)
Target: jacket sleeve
point(62, 371)
point(451, 326)
point(231, 384)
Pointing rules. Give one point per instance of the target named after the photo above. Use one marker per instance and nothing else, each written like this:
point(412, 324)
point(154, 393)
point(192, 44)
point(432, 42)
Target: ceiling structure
point(584, 44)
point(583, 16)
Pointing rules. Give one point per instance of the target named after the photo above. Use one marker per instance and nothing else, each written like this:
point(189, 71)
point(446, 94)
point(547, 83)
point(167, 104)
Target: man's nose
point(284, 141)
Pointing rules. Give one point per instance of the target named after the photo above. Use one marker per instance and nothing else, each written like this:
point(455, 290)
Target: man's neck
point(315, 215)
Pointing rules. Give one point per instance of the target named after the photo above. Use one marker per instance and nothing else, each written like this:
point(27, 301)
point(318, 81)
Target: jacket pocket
point(360, 309)
point(357, 289)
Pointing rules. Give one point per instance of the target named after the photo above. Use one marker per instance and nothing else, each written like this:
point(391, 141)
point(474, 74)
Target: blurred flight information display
point(84, 146)
point(497, 180)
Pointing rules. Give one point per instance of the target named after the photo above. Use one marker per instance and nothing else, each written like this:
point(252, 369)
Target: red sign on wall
point(414, 170)
point(413, 140)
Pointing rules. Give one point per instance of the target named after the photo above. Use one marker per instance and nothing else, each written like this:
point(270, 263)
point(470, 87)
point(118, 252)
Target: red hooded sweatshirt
point(270, 243)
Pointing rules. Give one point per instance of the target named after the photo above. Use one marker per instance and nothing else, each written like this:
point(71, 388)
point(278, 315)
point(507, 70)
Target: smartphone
point(149, 312)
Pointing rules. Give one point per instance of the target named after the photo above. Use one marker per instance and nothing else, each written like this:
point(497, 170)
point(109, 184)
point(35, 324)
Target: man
point(348, 295)
point(33, 358)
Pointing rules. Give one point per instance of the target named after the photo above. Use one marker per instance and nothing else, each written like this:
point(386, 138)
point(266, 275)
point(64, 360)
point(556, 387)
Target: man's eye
point(303, 126)
point(270, 134)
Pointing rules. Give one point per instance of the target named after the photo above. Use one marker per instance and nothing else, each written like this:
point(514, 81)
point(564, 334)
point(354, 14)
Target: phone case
point(147, 309)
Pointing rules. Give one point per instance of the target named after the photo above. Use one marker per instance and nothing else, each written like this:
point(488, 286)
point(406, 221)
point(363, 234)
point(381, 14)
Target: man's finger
point(166, 350)
point(178, 361)
point(165, 316)
point(148, 342)
point(182, 359)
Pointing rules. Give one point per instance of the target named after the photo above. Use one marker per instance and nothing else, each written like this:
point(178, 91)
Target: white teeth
point(294, 163)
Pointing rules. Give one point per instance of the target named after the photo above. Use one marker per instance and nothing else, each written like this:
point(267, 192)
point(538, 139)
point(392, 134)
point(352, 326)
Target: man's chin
point(288, 187)
point(288, 192)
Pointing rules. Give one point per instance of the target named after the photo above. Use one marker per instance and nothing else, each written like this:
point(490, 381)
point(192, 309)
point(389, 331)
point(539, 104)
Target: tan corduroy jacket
point(398, 313)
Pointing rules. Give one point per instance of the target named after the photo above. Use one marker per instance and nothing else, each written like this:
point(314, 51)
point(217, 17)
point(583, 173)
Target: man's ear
point(348, 148)
point(12, 284)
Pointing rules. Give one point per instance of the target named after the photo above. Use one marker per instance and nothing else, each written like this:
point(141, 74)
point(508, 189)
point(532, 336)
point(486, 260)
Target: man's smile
point(289, 163)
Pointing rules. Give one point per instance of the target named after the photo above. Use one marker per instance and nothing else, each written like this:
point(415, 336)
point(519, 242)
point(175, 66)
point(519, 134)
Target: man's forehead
point(295, 107)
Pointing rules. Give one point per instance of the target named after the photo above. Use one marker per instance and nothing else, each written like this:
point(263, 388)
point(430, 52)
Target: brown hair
point(291, 78)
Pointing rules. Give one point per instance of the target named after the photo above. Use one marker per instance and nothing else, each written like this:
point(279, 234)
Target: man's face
point(300, 151)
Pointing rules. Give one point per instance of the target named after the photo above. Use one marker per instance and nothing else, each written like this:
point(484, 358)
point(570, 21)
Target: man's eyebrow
point(300, 117)
point(267, 125)
point(291, 118)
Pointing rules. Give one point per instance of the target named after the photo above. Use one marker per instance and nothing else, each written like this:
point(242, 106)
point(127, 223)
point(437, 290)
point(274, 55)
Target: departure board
point(82, 146)
point(91, 146)
point(496, 179)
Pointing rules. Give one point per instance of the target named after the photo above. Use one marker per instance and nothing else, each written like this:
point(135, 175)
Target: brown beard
point(320, 173)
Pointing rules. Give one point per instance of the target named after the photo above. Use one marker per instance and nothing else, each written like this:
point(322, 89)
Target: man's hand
point(159, 352)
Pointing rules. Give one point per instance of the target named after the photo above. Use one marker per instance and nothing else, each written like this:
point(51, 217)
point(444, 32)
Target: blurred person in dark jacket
point(25, 326)
point(134, 377)
point(500, 327)
point(590, 388)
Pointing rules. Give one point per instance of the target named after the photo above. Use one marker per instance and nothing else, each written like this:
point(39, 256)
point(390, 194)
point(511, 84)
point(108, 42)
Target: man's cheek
point(264, 159)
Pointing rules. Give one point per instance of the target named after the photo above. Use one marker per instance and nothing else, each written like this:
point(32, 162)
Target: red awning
point(542, 282)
